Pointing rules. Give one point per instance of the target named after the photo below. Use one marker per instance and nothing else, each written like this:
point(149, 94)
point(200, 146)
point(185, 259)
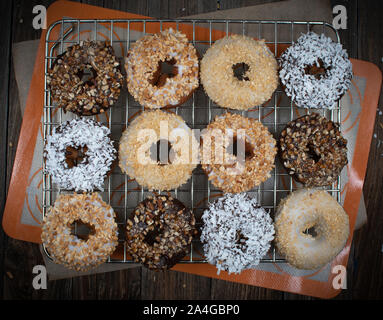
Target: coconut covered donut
point(158, 150)
point(146, 81)
point(237, 153)
point(311, 228)
point(313, 150)
point(79, 154)
point(315, 71)
point(77, 252)
point(73, 91)
point(159, 232)
point(258, 81)
point(236, 233)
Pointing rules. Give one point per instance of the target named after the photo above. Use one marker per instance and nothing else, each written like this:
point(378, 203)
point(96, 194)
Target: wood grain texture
point(363, 39)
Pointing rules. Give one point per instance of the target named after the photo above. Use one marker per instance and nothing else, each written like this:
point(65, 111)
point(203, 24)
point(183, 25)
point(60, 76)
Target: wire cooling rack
point(124, 194)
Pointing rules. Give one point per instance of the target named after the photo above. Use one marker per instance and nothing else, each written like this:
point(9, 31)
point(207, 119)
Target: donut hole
point(311, 231)
point(234, 149)
point(240, 70)
point(311, 153)
point(87, 74)
point(162, 152)
point(82, 230)
point(240, 239)
point(153, 236)
point(166, 69)
point(318, 70)
point(75, 155)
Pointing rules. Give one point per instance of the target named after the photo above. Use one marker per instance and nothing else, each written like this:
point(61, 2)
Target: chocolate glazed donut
point(313, 150)
point(86, 79)
point(159, 232)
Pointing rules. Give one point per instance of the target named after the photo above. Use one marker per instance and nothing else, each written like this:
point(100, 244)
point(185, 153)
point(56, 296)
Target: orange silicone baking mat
point(281, 279)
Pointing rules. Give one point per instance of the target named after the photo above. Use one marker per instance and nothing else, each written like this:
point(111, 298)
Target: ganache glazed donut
point(236, 233)
point(222, 60)
point(315, 71)
point(311, 228)
point(79, 154)
point(229, 168)
point(148, 84)
point(142, 147)
point(313, 150)
point(159, 232)
point(77, 252)
point(84, 96)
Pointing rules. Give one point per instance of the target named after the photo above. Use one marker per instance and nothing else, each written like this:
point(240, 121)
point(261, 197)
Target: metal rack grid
point(198, 191)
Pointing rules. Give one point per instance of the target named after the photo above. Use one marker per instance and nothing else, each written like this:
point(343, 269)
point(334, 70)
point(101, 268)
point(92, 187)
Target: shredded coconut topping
point(237, 232)
point(91, 171)
point(308, 90)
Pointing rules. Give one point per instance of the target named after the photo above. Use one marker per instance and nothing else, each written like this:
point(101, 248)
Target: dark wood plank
point(173, 285)
point(368, 283)
point(5, 54)
point(225, 290)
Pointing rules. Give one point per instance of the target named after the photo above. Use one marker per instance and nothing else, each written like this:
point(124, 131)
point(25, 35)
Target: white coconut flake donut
point(79, 154)
point(311, 228)
point(71, 250)
point(237, 232)
point(315, 71)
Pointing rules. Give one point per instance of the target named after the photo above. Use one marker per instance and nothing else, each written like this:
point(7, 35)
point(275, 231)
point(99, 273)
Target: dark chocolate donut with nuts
point(86, 79)
point(313, 150)
point(159, 232)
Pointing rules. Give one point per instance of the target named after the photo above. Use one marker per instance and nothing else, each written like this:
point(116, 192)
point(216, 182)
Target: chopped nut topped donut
point(86, 78)
point(159, 232)
point(153, 87)
point(74, 251)
point(230, 169)
point(313, 150)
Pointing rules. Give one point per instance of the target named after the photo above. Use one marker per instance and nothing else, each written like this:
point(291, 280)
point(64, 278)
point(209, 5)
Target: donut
point(154, 87)
point(228, 168)
point(313, 150)
point(159, 232)
point(232, 89)
point(311, 228)
point(80, 252)
point(79, 154)
point(86, 78)
point(154, 130)
point(236, 233)
point(315, 71)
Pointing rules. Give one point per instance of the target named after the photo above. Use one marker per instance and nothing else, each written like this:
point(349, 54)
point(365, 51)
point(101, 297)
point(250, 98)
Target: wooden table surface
point(363, 39)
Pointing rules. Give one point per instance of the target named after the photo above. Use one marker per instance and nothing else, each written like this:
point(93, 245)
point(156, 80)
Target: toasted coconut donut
point(236, 233)
point(256, 85)
point(73, 251)
point(86, 97)
point(311, 228)
point(234, 170)
point(313, 150)
point(148, 131)
point(159, 232)
point(79, 154)
point(145, 80)
point(315, 71)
